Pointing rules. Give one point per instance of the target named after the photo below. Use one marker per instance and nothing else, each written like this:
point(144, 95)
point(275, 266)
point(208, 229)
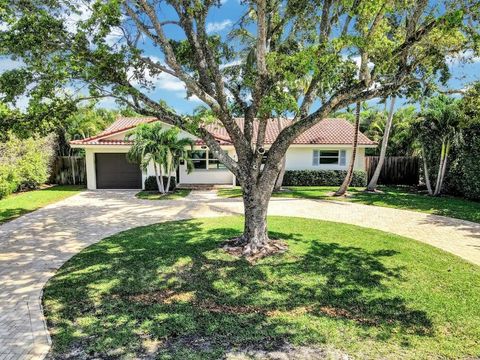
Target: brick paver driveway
point(33, 246)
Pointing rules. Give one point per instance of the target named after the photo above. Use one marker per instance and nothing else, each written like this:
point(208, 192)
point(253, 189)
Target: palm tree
point(176, 150)
point(163, 148)
point(440, 120)
point(372, 185)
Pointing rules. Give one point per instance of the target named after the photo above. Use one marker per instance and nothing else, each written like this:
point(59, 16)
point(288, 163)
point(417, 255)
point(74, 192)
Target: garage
point(114, 171)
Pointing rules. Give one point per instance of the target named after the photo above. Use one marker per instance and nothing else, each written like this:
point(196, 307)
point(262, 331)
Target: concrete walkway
point(35, 245)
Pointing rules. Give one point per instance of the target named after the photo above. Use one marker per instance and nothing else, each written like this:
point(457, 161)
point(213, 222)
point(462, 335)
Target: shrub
point(25, 163)
point(322, 178)
point(9, 180)
point(151, 183)
point(34, 162)
point(463, 176)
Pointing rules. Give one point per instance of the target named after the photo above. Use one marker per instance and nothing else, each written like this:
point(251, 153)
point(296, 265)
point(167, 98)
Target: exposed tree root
point(240, 248)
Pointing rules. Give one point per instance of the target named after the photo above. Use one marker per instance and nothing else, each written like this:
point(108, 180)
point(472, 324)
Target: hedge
point(322, 178)
point(151, 183)
point(463, 176)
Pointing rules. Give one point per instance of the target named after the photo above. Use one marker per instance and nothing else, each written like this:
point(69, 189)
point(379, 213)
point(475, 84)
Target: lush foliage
point(463, 177)
point(24, 164)
point(16, 205)
point(84, 122)
point(322, 178)
point(171, 291)
point(153, 144)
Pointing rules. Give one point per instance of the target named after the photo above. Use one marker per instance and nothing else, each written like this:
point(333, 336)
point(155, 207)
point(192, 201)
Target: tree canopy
point(302, 58)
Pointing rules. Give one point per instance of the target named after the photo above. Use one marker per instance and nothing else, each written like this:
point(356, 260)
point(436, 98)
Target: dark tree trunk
point(256, 196)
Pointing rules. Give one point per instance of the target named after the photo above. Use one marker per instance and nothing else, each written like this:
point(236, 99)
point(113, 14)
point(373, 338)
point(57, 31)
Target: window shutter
point(316, 157)
point(343, 158)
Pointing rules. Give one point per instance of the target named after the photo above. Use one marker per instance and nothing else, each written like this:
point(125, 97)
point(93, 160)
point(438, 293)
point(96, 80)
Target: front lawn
point(18, 204)
point(168, 291)
point(177, 194)
point(395, 197)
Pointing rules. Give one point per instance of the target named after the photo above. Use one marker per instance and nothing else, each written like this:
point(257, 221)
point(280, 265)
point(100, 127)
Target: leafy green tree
point(153, 144)
point(299, 47)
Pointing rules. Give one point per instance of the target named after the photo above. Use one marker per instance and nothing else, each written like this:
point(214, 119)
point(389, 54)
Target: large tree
point(293, 57)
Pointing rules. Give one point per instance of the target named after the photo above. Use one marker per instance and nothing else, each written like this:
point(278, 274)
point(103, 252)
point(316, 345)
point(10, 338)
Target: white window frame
point(207, 162)
point(341, 157)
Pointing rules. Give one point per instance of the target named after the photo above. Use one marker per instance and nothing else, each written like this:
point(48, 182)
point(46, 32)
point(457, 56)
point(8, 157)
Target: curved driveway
point(33, 246)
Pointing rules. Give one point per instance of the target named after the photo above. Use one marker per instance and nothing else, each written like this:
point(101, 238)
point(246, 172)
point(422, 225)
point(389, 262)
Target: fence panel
point(68, 170)
point(396, 170)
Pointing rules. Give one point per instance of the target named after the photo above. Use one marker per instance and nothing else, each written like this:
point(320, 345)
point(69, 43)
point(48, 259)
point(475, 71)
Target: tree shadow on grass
point(168, 290)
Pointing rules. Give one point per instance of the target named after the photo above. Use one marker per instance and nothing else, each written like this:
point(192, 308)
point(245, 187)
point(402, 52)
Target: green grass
point(18, 204)
point(155, 195)
point(395, 197)
point(170, 291)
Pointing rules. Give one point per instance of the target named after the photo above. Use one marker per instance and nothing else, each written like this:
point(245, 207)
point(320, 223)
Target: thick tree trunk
point(256, 196)
point(372, 185)
point(348, 178)
point(425, 172)
point(255, 233)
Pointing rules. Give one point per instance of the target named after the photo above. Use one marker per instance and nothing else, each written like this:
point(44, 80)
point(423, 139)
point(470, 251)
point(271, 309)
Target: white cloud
point(230, 64)
point(465, 57)
point(7, 63)
point(218, 26)
point(72, 19)
point(115, 37)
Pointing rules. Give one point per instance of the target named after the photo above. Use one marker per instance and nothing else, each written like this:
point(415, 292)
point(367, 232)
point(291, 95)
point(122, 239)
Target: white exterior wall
point(207, 176)
point(301, 158)
point(298, 158)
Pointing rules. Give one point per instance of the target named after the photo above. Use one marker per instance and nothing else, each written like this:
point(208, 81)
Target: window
point(329, 157)
point(199, 159)
point(202, 161)
point(215, 164)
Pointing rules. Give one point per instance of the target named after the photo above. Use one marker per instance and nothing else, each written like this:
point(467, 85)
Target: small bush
point(322, 178)
point(9, 180)
point(151, 183)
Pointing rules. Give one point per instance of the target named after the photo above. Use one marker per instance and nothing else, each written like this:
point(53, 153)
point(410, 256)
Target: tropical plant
point(153, 144)
point(438, 126)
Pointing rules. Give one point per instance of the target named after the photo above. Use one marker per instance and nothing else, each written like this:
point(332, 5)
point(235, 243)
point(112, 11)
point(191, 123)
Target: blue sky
point(221, 21)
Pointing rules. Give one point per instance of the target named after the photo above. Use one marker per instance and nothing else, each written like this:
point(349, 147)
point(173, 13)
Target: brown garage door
point(114, 171)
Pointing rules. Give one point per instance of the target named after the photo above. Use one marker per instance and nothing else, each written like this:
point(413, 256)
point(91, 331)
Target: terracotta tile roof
point(325, 132)
point(328, 131)
point(119, 125)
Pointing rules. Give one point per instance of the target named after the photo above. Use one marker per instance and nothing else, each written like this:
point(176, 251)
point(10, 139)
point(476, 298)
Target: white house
point(327, 145)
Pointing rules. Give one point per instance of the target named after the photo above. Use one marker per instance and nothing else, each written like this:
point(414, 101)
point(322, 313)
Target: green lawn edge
point(18, 204)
